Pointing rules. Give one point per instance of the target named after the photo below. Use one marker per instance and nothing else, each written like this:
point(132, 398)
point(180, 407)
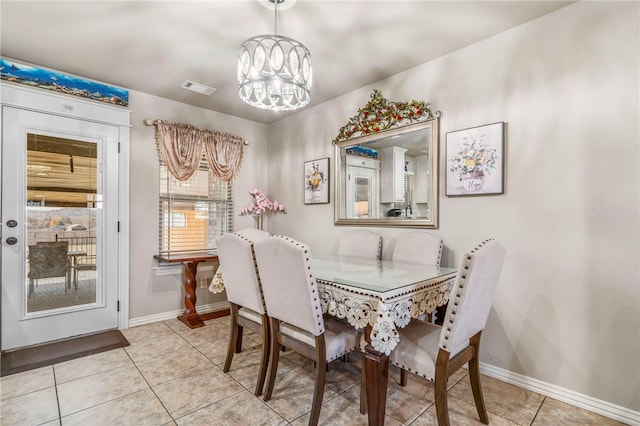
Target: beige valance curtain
point(180, 147)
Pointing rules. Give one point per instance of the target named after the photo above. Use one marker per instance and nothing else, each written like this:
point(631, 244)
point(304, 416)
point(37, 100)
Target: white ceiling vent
point(197, 87)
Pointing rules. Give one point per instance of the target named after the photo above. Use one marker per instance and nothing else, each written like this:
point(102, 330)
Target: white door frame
point(67, 106)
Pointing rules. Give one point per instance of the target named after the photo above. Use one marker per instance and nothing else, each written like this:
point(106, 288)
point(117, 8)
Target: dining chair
point(436, 352)
point(296, 320)
point(361, 243)
point(418, 247)
point(83, 254)
point(244, 293)
point(49, 260)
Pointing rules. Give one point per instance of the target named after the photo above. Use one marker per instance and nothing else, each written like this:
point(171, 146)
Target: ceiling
point(154, 46)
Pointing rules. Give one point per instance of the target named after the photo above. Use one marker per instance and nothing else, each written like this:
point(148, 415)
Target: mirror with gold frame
point(386, 165)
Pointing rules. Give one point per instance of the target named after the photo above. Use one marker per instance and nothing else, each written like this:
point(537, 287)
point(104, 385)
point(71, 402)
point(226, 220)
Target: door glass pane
point(62, 202)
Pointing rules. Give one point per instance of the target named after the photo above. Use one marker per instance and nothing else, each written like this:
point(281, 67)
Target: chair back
point(85, 244)
point(361, 243)
point(241, 280)
point(253, 234)
point(290, 290)
point(48, 259)
point(471, 295)
point(418, 247)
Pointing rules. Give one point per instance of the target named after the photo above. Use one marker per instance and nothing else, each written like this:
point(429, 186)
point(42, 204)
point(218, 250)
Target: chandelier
point(274, 72)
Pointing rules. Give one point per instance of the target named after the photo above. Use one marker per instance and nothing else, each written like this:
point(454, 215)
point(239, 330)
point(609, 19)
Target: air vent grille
point(197, 87)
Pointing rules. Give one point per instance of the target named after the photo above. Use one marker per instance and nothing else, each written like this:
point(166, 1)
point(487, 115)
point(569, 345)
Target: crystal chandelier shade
point(274, 73)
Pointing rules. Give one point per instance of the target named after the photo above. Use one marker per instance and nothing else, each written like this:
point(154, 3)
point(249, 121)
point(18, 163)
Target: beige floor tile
point(26, 382)
point(99, 388)
point(33, 408)
point(293, 392)
point(215, 351)
point(156, 330)
point(239, 409)
point(93, 364)
point(152, 348)
point(246, 366)
point(196, 390)
point(554, 412)
point(202, 335)
point(461, 413)
point(170, 365)
point(139, 408)
point(506, 400)
point(342, 410)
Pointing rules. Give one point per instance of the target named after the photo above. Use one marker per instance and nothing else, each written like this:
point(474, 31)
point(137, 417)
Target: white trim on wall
point(586, 402)
point(164, 316)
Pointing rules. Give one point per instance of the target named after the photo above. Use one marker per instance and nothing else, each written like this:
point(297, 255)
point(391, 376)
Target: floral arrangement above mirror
point(380, 114)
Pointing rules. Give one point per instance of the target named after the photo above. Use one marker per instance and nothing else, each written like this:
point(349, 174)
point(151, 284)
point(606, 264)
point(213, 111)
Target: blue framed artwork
point(42, 78)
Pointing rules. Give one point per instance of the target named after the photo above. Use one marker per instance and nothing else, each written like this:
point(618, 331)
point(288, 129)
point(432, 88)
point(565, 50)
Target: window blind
point(193, 213)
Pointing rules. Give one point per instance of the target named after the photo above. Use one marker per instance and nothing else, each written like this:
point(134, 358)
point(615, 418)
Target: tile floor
point(171, 375)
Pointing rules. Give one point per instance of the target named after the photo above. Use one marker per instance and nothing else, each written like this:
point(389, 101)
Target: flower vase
point(473, 182)
point(260, 222)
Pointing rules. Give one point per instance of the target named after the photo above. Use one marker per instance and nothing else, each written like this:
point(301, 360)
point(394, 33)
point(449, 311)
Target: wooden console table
point(190, 262)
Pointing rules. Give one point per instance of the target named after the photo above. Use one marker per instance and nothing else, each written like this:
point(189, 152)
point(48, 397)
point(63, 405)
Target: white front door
point(59, 227)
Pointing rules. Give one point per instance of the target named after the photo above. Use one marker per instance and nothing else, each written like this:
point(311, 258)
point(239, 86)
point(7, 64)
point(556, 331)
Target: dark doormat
point(60, 351)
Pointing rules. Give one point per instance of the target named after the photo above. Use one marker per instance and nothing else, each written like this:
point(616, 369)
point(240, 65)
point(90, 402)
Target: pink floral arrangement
point(262, 205)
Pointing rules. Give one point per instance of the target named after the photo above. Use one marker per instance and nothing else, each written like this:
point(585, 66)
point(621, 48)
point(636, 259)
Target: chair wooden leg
point(233, 337)
point(239, 339)
point(441, 376)
point(474, 376)
point(274, 357)
point(318, 392)
point(264, 361)
point(403, 377)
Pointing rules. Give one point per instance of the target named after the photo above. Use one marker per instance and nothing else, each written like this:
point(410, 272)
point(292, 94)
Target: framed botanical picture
point(316, 181)
point(475, 160)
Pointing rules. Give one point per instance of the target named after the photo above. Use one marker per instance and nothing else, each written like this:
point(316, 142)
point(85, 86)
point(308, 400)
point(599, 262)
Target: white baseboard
point(202, 309)
point(606, 409)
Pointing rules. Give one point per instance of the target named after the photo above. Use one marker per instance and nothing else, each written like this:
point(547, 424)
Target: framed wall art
point(316, 181)
point(475, 160)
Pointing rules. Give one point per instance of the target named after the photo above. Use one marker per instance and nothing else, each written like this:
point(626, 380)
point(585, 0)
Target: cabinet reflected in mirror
point(389, 178)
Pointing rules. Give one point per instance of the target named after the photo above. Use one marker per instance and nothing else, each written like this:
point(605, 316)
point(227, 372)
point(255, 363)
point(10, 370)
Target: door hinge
point(118, 147)
point(118, 306)
point(118, 226)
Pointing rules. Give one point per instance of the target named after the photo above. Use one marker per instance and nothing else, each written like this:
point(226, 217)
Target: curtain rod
point(150, 122)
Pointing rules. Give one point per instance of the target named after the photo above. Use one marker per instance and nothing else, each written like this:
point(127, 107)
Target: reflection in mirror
point(388, 177)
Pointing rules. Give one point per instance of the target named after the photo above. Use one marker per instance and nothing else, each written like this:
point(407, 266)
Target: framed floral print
point(316, 181)
point(475, 160)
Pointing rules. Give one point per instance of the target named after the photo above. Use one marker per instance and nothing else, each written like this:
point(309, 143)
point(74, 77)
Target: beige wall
point(567, 310)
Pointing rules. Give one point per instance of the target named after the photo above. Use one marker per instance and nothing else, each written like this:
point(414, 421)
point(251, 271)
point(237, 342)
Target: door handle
point(12, 223)
point(12, 240)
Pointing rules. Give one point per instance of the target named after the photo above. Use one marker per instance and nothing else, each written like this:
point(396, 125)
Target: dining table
point(380, 297)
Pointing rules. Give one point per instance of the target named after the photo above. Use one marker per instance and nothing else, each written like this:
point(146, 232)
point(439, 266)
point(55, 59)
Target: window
point(193, 213)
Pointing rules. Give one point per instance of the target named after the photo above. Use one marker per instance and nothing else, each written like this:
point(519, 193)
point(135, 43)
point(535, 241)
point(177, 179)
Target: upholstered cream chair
point(436, 352)
point(244, 293)
point(361, 243)
point(418, 247)
point(296, 320)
